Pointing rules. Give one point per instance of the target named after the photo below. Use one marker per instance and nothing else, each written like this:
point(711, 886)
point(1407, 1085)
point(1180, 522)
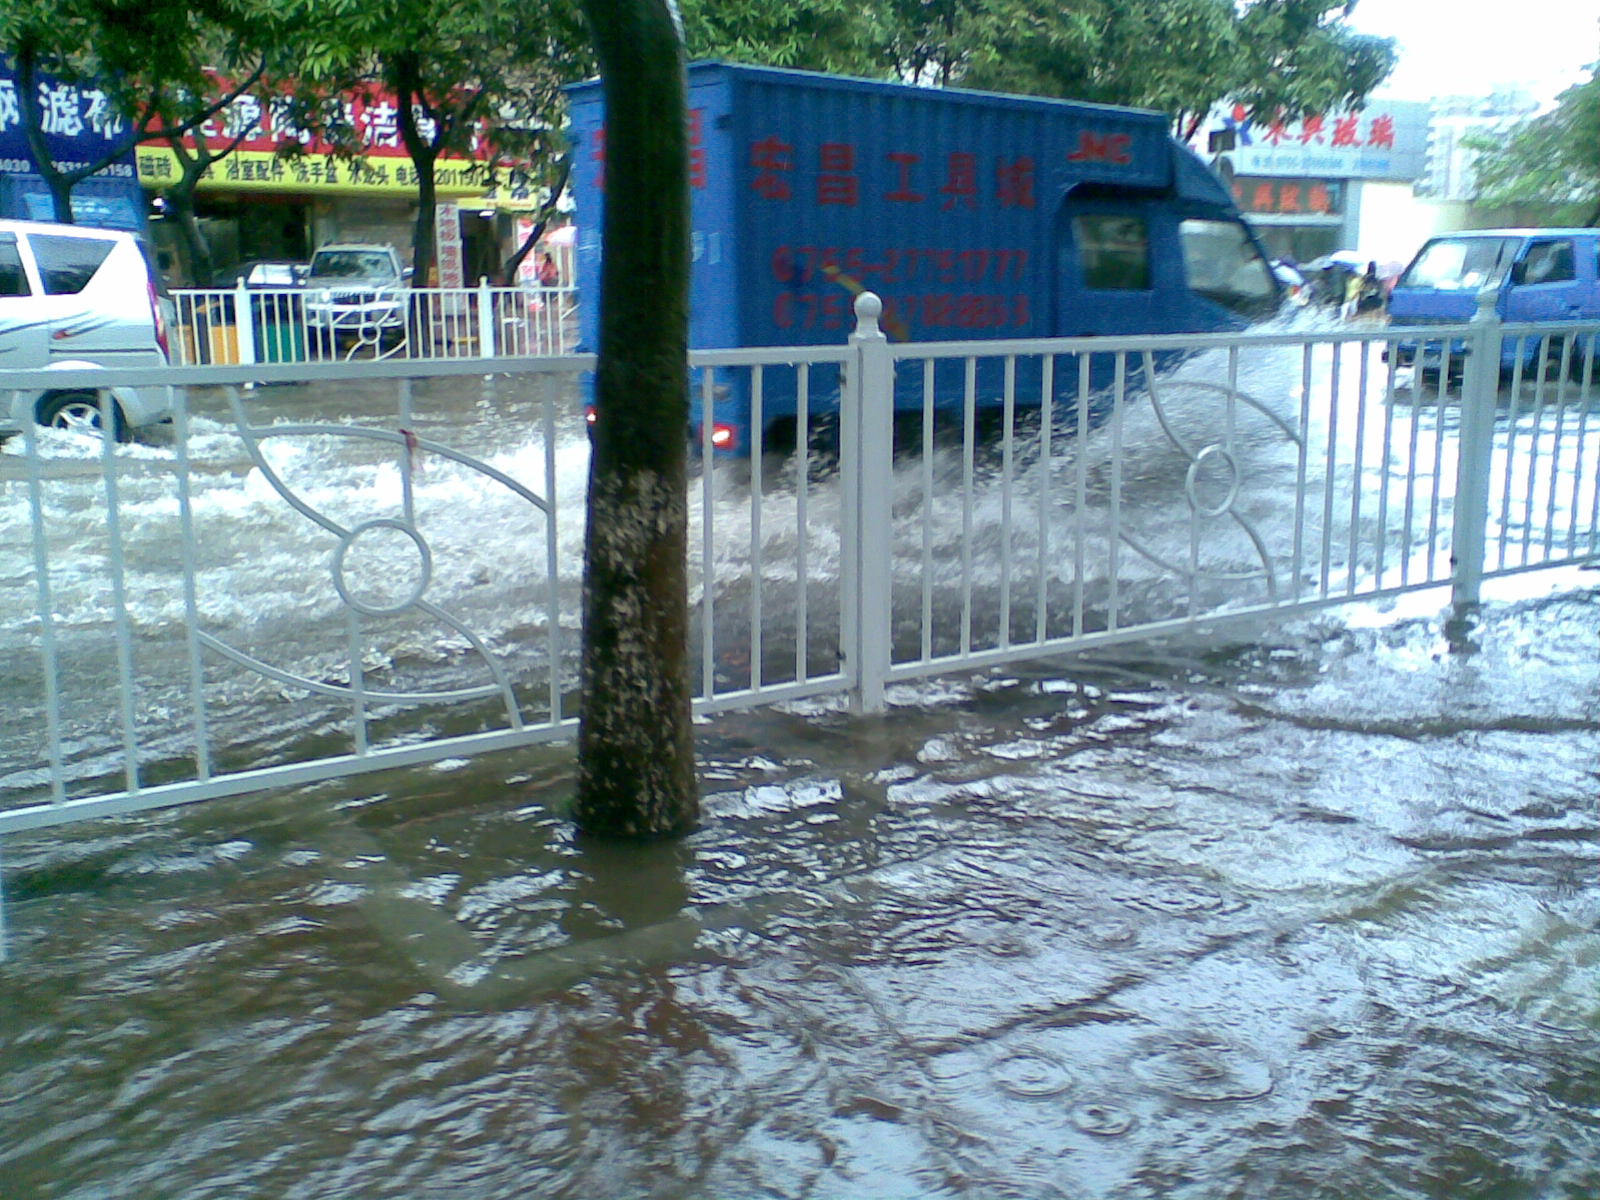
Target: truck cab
point(1536, 276)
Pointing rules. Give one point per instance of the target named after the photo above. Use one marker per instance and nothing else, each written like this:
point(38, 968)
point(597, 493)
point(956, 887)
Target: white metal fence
point(247, 325)
point(380, 565)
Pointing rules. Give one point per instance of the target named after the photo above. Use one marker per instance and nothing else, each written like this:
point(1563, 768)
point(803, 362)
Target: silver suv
point(71, 299)
point(357, 291)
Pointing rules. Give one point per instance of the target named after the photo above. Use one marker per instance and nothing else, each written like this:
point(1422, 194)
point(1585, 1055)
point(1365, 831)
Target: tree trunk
point(636, 769)
point(180, 211)
point(405, 77)
point(60, 183)
point(422, 236)
point(508, 274)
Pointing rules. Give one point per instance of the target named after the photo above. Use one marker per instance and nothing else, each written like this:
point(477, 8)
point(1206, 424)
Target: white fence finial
point(868, 309)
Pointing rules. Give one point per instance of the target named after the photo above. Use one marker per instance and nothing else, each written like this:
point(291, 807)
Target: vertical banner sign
point(447, 238)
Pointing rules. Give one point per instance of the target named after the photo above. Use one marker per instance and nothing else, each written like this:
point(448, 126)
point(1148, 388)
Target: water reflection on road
point(1312, 918)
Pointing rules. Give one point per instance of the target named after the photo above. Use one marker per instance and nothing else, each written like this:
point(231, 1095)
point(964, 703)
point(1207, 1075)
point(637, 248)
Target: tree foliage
point(147, 58)
point(1181, 57)
point(464, 74)
point(1551, 161)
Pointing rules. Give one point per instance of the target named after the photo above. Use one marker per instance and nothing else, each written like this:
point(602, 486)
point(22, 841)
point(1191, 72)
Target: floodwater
point(1312, 917)
point(1315, 917)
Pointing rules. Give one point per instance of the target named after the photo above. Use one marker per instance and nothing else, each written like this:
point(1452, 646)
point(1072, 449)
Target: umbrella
point(1348, 259)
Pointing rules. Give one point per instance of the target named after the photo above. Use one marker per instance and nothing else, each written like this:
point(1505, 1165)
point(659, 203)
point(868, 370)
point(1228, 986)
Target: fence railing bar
point(802, 533)
point(708, 543)
point(928, 509)
point(1413, 448)
point(757, 571)
point(1044, 500)
point(1359, 465)
point(1330, 466)
point(358, 684)
point(1008, 416)
point(1386, 457)
point(1555, 447)
point(552, 547)
point(119, 591)
point(1436, 492)
point(1080, 493)
point(191, 601)
point(1583, 398)
point(50, 659)
point(1119, 405)
point(969, 438)
point(1297, 547)
point(1508, 468)
point(1535, 439)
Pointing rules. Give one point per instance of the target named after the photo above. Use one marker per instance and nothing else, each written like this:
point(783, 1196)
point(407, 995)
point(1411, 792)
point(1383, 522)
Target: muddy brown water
point(1312, 918)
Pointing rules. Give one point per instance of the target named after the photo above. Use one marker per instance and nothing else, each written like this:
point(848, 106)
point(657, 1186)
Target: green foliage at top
point(1178, 56)
point(1551, 161)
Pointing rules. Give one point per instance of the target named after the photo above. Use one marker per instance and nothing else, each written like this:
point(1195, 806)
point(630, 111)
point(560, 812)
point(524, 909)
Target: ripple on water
point(1102, 1118)
point(1198, 1065)
point(1031, 1074)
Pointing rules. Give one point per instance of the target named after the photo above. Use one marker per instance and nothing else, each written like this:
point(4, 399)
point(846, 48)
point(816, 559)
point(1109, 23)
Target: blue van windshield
point(1461, 264)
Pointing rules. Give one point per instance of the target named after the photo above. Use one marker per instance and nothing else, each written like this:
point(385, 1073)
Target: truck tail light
point(724, 437)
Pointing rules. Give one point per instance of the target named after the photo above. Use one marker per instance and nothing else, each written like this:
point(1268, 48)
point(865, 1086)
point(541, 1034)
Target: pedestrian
point(549, 273)
point(1363, 293)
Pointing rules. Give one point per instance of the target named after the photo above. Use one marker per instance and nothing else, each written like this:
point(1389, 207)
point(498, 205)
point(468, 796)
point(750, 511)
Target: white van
point(74, 298)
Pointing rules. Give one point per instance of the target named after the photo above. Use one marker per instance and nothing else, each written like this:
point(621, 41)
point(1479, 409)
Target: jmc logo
point(1103, 147)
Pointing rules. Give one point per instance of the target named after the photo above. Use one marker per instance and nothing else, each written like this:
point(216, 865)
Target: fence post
point(866, 451)
point(486, 331)
point(1480, 389)
point(244, 324)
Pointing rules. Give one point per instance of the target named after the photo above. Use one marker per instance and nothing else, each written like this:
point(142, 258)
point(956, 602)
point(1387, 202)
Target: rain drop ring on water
point(1191, 481)
point(371, 608)
point(1102, 1119)
point(1031, 1074)
point(1201, 1066)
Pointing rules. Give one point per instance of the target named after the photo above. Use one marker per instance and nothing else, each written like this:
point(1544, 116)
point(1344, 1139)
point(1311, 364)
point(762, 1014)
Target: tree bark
point(406, 79)
point(636, 769)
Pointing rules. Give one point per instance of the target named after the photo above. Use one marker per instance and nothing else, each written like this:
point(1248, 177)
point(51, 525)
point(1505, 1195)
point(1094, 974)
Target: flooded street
point(1308, 914)
point(1313, 917)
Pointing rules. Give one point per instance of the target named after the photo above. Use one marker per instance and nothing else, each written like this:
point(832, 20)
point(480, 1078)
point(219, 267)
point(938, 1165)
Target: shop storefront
point(1324, 182)
point(283, 192)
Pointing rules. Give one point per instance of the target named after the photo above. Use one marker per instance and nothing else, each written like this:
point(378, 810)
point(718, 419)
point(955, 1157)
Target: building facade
point(1330, 181)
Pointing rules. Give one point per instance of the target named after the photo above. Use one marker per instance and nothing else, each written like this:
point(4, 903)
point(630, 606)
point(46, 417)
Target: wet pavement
point(1314, 917)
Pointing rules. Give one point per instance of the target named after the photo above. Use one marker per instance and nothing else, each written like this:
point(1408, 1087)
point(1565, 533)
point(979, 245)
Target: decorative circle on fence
point(391, 596)
point(1227, 475)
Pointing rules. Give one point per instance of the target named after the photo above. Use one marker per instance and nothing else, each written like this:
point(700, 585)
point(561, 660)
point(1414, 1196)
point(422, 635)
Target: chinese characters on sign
point(1387, 143)
point(1340, 130)
point(697, 152)
point(817, 281)
point(956, 182)
point(1305, 197)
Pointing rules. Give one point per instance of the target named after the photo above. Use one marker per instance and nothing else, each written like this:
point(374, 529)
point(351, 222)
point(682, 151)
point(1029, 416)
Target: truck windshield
point(1223, 265)
point(1461, 264)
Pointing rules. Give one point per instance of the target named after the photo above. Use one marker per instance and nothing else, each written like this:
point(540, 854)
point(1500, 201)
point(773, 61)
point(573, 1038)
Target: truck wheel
point(80, 412)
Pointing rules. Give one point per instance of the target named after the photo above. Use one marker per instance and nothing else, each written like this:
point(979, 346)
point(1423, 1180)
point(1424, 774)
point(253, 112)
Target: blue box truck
point(974, 216)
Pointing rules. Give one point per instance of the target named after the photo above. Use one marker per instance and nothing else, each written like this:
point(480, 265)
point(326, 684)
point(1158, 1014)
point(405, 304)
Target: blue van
point(974, 216)
point(1537, 276)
